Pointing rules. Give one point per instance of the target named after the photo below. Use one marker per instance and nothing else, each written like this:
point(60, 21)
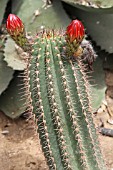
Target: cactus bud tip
point(75, 31)
point(14, 25)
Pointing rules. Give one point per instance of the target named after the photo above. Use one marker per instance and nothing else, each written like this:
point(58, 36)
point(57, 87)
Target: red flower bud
point(14, 25)
point(75, 31)
point(15, 28)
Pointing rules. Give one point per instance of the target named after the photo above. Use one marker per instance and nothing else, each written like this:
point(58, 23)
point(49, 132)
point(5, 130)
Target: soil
point(20, 147)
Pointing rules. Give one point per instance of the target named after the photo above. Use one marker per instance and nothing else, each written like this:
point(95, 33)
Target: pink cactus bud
point(75, 31)
point(15, 28)
point(14, 25)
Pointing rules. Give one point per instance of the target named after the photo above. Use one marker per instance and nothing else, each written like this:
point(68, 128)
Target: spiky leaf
point(91, 3)
point(6, 74)
point(13, 58)
point(10, 101)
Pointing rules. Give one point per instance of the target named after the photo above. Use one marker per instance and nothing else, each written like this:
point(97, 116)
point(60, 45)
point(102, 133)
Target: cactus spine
point(58, 95)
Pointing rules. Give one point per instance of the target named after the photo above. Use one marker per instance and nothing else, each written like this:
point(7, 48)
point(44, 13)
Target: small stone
point(110, 121)
point(5, 132)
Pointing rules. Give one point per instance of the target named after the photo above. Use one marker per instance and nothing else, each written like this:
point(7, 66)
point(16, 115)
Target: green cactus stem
point(59, 96)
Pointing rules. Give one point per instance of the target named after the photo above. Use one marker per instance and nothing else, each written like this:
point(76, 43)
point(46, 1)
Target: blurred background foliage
point(97, 17)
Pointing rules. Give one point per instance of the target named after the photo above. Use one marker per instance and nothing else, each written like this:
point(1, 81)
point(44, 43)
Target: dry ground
point(20, 148)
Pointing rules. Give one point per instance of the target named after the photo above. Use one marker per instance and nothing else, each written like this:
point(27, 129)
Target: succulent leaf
point(14, 57)
point(6, 74)
point(94, 4)
point(11, 101)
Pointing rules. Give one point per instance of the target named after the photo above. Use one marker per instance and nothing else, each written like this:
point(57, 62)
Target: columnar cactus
point(58, 95)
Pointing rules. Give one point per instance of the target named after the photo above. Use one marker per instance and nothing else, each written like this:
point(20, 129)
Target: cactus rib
point(38, 108)
point(86, 105)
point(70, 109)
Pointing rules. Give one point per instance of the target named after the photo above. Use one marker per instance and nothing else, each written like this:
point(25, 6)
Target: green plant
point(58, 94)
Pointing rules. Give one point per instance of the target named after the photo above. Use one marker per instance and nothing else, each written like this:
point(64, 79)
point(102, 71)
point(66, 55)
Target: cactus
point(58, 94)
